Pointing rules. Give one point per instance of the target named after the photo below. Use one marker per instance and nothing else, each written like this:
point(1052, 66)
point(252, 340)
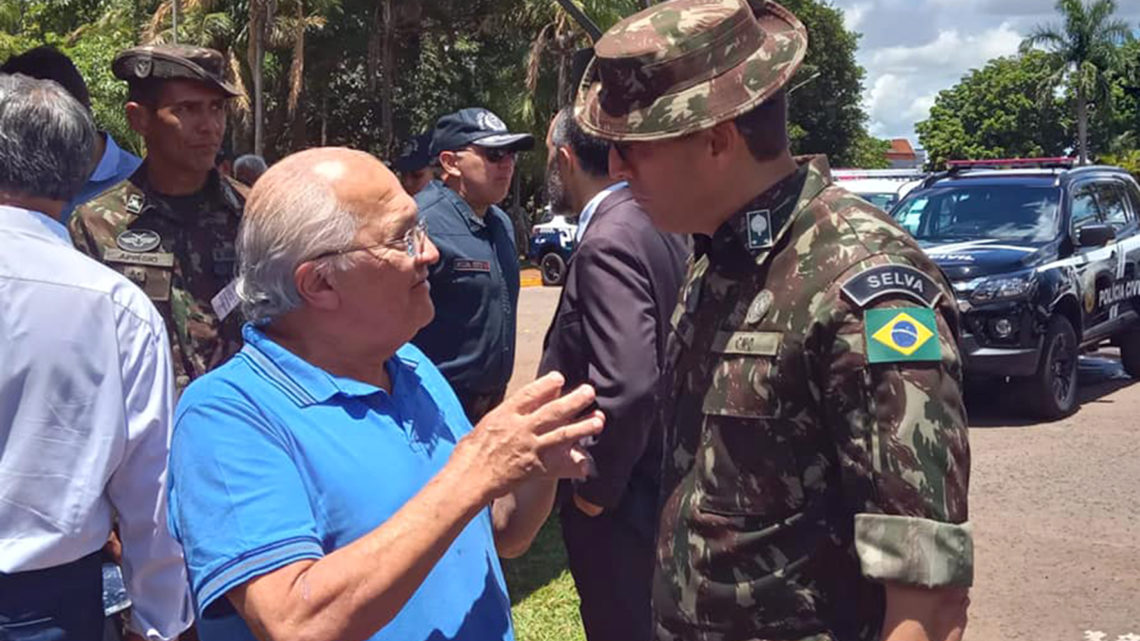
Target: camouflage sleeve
point(80, 236)
point(890, 377)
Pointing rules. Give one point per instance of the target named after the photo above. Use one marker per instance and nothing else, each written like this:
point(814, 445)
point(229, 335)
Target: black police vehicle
point(1043, 258)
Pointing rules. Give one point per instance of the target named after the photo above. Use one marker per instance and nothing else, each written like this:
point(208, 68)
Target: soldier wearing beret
point(817, 453)
point(171, 226)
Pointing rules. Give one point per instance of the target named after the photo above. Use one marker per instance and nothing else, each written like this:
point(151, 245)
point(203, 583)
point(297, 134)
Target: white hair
point(288, 220)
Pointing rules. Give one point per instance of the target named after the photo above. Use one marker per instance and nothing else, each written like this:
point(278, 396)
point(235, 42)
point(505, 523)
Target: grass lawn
point(544, 602)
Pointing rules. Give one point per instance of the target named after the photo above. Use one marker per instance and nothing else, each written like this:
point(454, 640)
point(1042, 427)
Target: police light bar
point(1012, 163)
point(879, 174)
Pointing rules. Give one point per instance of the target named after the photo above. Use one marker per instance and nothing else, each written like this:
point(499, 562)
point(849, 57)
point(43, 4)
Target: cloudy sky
point(912, 49)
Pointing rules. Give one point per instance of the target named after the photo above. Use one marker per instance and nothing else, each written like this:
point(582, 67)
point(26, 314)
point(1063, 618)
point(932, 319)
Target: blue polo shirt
point(274, 460)
point(475, 289)
point(114, 167)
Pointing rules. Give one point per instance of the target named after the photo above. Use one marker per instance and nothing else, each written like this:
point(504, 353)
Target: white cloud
point(912, 49)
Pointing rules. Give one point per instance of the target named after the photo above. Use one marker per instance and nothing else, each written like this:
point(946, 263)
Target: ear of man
point(315, 285)
point(138, 117)
point(448, 163)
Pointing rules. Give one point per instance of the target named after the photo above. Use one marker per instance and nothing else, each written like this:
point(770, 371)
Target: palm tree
point(1084, 47)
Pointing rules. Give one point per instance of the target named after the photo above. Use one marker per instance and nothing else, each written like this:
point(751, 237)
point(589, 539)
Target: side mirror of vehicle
point(1095, 235)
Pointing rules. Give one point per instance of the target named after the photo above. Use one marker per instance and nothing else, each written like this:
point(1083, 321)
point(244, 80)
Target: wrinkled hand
point(533, 434)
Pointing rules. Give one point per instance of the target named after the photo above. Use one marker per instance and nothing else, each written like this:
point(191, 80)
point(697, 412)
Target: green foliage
point(1084, 49)
point(825, 115)
point(512, 56)
point(868, 152)
point(995, 112)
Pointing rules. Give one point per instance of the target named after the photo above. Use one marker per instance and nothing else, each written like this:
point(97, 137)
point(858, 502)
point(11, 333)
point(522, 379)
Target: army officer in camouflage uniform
point(171, 226)
point(817, 453)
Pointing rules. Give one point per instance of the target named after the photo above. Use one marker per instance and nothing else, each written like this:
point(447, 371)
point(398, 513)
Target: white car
point(883, 188)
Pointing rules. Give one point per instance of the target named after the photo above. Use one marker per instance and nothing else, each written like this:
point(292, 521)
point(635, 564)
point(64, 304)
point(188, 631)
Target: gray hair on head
point(249, 167)
point(292, 215)
point(46, 139)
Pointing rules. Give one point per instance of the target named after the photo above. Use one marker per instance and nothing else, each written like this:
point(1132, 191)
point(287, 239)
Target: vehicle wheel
point(1130, 352)
point(1052, 392)
point(553, 269)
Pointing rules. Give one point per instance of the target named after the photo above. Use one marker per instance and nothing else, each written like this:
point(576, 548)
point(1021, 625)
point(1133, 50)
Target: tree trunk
point(386, 89)
point(297, 79)
point(1082, 126)
point(325, 118)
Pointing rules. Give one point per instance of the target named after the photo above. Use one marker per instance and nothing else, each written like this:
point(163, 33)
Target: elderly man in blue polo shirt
point(475, 284)
point(325, 483)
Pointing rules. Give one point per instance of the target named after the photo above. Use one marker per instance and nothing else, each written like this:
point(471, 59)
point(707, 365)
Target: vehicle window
point(1134, 196)
point(1110, 196)
point(1013, 212)
point(1084, 209)
point(883, 201)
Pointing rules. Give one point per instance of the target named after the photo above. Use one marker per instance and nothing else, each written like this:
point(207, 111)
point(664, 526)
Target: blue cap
point(415, 154)
point(476, 126)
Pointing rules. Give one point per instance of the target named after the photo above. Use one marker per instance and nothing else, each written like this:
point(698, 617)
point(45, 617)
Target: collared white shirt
point(85, 419)
point(592, 206)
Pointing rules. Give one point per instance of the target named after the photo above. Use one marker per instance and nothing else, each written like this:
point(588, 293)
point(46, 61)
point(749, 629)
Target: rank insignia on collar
point(759, 228)
point(138, 240)
point(134, 203)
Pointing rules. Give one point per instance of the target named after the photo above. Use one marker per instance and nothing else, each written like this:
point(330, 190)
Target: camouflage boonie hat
point(169, 62)
point(685, 65)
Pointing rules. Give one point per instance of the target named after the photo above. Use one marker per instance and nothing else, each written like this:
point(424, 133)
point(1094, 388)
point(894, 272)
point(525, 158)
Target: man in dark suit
point(610, 330)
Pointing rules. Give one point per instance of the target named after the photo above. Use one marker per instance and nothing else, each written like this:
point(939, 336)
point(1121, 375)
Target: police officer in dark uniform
point(414, 165)
point(171, 226)
point(475, 284)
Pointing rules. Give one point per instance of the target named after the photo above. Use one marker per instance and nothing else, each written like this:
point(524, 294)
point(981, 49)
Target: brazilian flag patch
point(901, 334)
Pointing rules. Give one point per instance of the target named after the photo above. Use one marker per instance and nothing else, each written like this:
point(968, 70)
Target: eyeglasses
point(493, 155)
point(622, 148)
point(413, 244)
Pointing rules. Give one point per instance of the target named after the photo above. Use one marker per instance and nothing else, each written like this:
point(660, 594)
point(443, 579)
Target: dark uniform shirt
point(816, 443)
point(180, 251)
point(475, 289)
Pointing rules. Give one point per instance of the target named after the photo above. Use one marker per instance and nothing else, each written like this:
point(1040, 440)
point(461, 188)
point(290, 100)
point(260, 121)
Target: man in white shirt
point(85, 398)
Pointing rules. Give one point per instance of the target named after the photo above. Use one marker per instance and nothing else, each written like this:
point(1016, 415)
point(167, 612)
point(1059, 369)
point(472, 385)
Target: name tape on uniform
point(747, 343)
point(885, 280)
point(225, 301)
point(152, 259)
point(465, 265)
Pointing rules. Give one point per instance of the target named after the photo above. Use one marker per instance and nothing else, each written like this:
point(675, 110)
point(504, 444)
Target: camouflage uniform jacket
point(180, 251)
point(801, 472)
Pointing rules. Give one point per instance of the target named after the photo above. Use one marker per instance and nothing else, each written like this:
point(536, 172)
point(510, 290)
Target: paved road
point(1054, 506)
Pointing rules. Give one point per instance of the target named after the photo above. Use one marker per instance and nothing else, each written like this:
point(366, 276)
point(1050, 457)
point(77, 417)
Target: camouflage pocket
point(746, 464)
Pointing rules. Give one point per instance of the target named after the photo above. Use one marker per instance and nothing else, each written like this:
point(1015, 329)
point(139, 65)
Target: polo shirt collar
point(109, 163)
point(308, 384)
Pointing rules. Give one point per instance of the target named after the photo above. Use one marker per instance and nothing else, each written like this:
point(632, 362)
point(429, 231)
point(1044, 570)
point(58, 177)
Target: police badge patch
point(759, 229)
point(138, 240)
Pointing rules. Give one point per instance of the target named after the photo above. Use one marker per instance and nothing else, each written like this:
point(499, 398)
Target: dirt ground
point(1053, 505)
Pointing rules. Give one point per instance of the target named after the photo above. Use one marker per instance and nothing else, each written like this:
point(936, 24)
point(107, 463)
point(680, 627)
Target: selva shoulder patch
point(887, 280)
